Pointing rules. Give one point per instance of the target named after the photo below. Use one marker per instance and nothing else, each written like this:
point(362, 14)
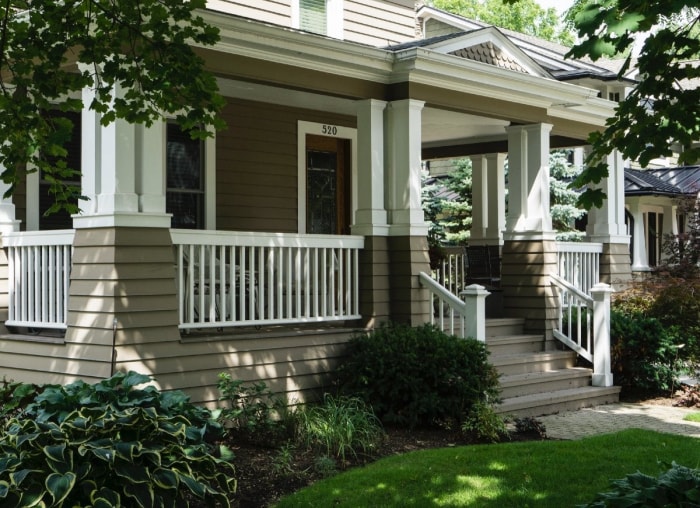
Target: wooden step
point(514, 344)
point(519, 385)
point(561, 400)
point(525, 363)
point(504, 326)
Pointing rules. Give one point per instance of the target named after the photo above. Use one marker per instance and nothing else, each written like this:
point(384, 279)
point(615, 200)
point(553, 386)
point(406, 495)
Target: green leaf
point(108, 495)
point(142, 493)
point(197, 488)
point(165, 479)
point(18, 477)
point(133, 472)
point(60, 485)
point(4, 489)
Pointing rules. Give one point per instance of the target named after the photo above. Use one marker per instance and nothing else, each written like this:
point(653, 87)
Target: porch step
point(514, 344)
point(561, 400)
point(519, 385)
point(504, 326)
point(527, 363)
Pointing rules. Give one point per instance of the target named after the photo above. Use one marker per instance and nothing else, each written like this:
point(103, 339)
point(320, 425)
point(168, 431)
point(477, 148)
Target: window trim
point(334, 18)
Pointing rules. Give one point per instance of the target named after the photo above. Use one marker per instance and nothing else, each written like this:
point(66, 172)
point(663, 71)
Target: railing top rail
point(430, 283)
point(38, 238)
point(256, 239)
point(580, 247)
point(558, 281)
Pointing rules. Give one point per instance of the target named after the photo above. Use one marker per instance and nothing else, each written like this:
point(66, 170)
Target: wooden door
point(327, 185)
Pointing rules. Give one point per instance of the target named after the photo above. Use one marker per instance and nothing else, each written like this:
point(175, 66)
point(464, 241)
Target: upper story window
point(185, 193)
point(323, 17)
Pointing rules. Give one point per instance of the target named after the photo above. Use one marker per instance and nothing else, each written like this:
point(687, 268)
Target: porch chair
point(479, 267)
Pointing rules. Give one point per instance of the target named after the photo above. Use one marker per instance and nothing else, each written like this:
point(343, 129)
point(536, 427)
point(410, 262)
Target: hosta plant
point(116, 446)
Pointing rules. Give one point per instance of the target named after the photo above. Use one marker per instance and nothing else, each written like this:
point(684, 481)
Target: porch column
point(640, 262)
point(408, 243)
point(488, 199)
point(8, 224)
point(371, 216)
point(122, 289)
point(529, 250)
point(669, 227)
point(606, 224)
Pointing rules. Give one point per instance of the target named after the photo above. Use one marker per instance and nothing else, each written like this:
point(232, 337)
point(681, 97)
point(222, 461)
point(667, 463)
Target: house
point(261, 250)
point(652, 198)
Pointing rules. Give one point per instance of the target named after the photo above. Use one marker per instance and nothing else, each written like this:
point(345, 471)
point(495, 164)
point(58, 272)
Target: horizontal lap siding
point(379, 23)
point(257, 176)
point(278, 12)
point(295, 365)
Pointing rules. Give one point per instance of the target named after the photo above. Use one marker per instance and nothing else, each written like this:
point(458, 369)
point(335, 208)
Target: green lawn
point(525, 474)
point(692, 417)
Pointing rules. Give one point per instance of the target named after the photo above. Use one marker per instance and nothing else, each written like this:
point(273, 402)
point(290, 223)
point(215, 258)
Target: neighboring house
point(261, 250)
point(652, 197)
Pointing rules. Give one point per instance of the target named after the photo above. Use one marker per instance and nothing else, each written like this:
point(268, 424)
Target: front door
point(327, 187)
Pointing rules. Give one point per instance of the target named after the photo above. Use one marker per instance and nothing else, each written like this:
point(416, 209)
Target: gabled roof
point(548, 57)
point(673, 182)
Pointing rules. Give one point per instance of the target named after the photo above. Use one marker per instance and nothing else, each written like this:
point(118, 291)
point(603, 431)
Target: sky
point(559, 5)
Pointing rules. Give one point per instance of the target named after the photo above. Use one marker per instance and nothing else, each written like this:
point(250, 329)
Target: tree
point(661, 115)
point(563, 199)
point(524, 16)
point(51, 50)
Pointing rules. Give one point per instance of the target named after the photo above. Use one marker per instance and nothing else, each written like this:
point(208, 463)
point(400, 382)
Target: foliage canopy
point(137, 57)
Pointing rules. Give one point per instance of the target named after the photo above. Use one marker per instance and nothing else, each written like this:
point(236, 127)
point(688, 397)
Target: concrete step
point(514, 344)
point(504, 326)
point(531, 383)
point(561, 400)
point(525, 363)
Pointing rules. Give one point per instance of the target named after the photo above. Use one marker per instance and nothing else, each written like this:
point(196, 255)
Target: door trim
point(331, 131)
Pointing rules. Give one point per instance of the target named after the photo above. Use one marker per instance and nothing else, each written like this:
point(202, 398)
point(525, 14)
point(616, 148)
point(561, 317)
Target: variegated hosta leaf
point(60, 485)
point(141, 493)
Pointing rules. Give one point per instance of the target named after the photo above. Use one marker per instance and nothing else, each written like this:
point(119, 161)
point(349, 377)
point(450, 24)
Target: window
point(323, 17)
point(61, 219)
point(184, 179)
point(654, 234)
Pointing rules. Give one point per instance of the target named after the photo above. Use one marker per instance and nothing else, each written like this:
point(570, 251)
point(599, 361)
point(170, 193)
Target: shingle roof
point(488, 53)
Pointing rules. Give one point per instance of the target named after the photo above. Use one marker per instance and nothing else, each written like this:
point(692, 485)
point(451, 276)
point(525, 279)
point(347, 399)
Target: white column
point(640, 261)
point(496, 185)
point(123, 173)
point(8, 222)
point(371, 215)
point(669, 226)
point(607, 223)
point(528, 182)
point(404, 169)
point(474, 297)
point(480, 200)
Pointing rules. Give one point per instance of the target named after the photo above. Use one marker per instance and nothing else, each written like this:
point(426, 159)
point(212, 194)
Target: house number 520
point(330, 129)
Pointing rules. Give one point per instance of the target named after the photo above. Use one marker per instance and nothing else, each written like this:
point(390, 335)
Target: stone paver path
point(615, 417)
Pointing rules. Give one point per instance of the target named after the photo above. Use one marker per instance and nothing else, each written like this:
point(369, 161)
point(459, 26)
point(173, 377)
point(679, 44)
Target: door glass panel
point(322, 185)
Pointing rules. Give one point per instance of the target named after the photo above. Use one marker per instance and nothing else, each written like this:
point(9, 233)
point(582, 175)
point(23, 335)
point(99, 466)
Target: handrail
point(574, 318)
point(461, 318)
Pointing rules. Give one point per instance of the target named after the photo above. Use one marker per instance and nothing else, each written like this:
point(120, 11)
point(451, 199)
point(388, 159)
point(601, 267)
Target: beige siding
point(375, 291)
point(410, 302)
point(379, 22)
point(434, 28)
point(278, 12)
point(527, 292)
point(615, 268)
point(257, 176)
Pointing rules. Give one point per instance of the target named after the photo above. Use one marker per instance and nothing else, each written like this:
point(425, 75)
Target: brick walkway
point(614, 417)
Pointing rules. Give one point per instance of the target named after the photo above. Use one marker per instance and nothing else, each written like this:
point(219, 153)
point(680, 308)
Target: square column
point(408, 231)
point(488, 199)
point(528, 182)
point(640, 262)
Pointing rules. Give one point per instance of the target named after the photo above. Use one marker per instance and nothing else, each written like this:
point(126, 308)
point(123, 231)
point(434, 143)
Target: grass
point(692, 417)
point(525, 474)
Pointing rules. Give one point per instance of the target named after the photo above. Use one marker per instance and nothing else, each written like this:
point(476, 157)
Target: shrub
point(252, 411)
point(14, 397)
point(109, 444)
point(644, 355)
point(485, 424)
point(678, 486)
point(338, 427)
point(418, 376)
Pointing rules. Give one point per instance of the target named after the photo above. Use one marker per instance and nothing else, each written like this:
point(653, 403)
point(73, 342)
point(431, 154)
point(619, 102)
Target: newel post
point(602, 374)
point(474, 297)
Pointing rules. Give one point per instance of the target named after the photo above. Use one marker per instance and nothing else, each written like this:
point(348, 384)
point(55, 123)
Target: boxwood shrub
point(418, 376)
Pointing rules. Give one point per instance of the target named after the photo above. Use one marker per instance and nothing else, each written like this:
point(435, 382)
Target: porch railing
point(579, 264)
point(452, 271)
point(583, 324)
point(463, 318)
point(39, 266)
point(228, 279)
